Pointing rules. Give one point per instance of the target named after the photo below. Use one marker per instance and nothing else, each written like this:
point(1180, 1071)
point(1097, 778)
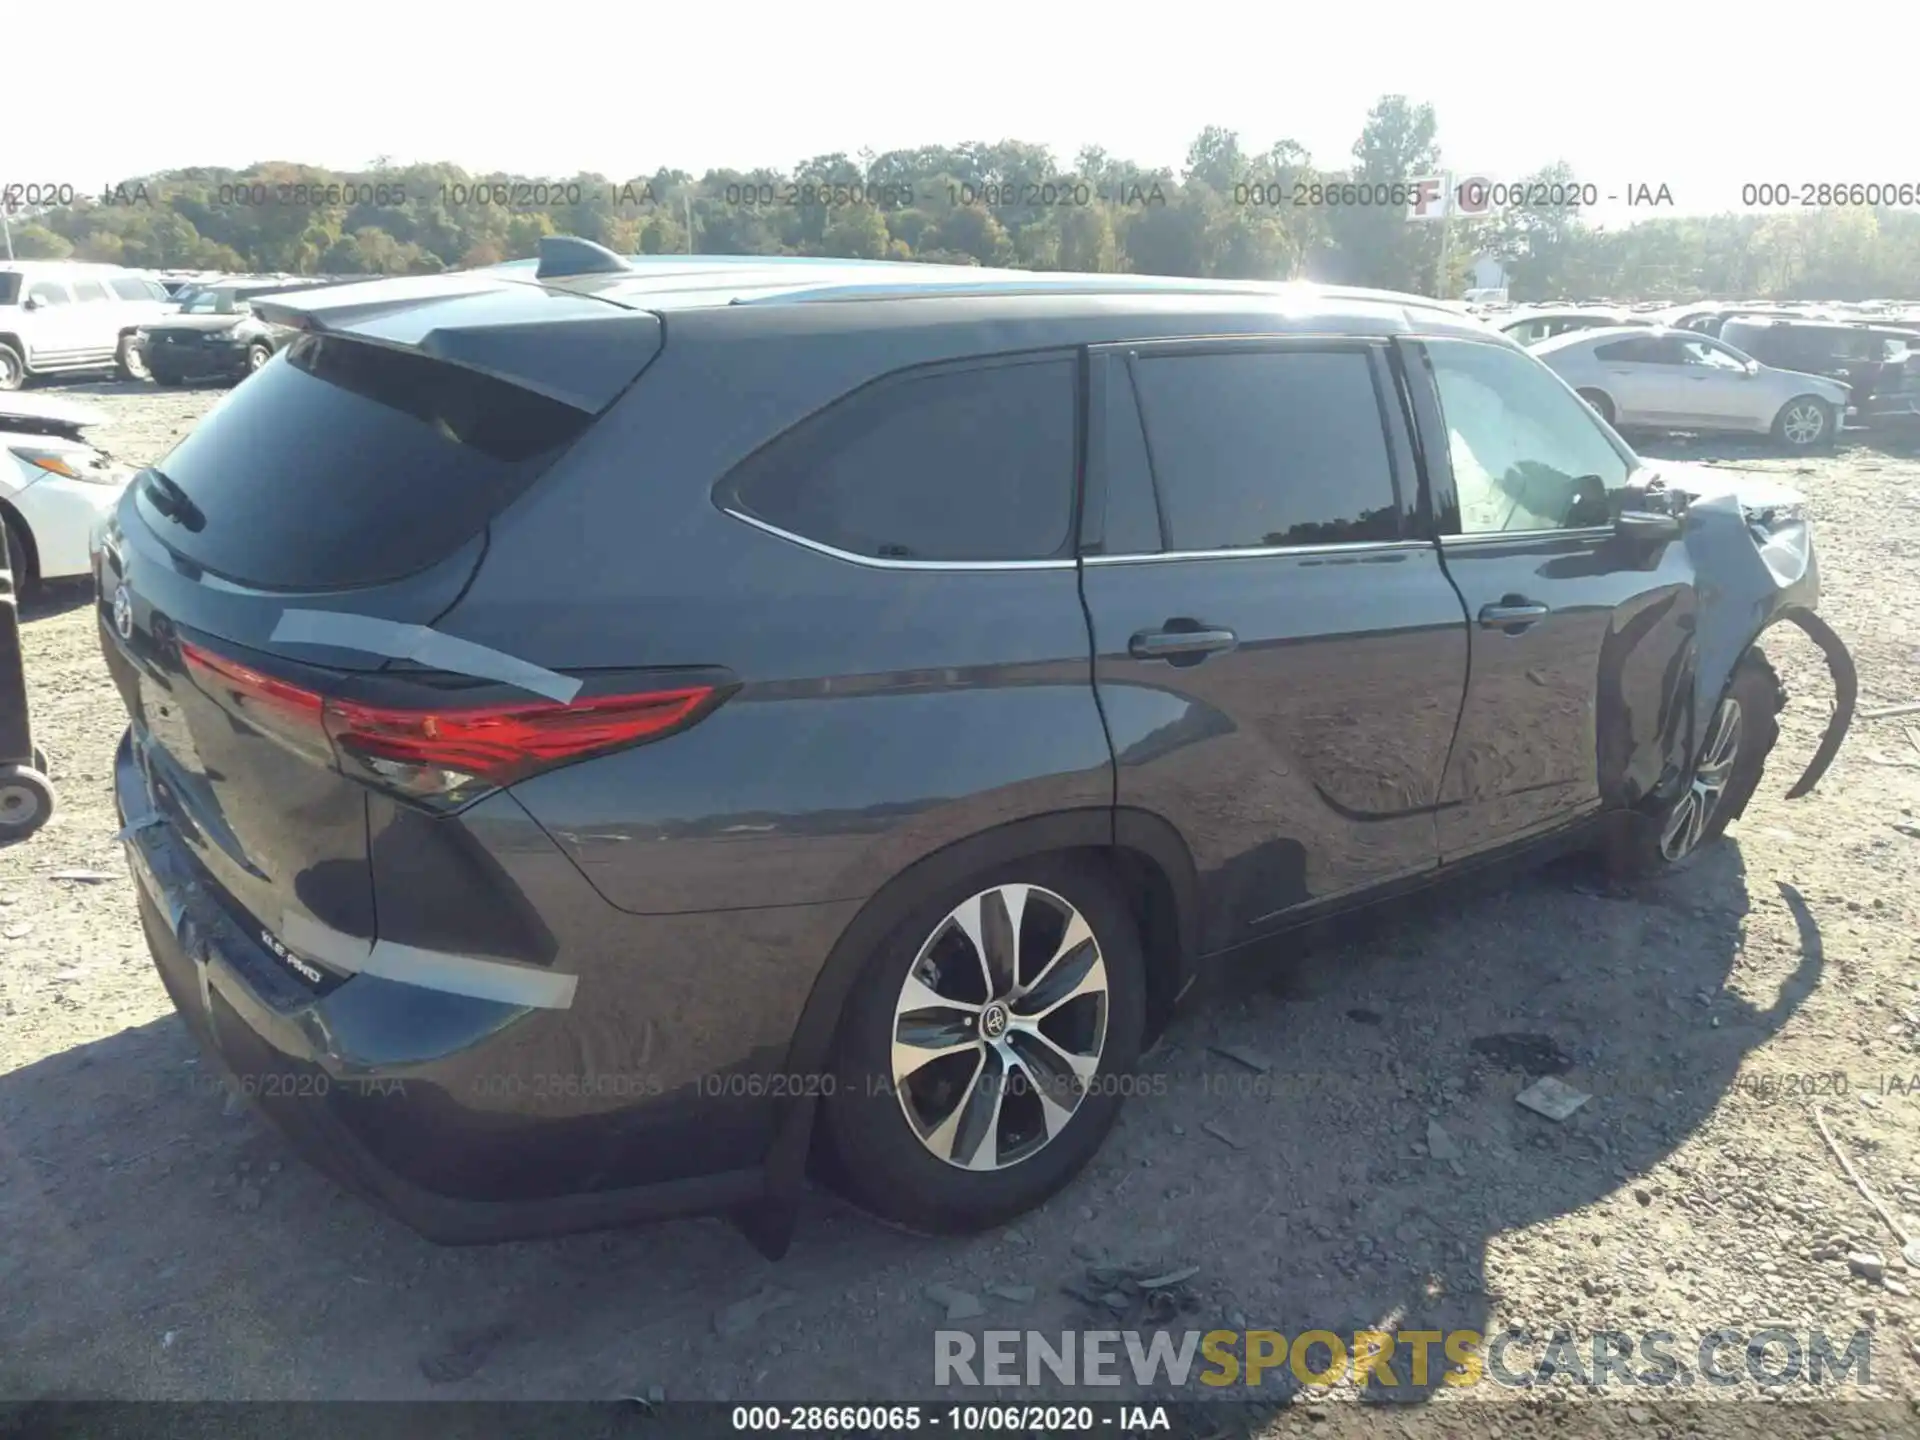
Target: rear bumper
point(426, 1103)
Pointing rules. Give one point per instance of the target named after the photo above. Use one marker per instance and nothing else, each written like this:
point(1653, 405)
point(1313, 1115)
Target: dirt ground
point(160, 1242)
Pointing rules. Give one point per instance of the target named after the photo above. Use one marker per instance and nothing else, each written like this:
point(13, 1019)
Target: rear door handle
point(1514, 612)
point(1193, 644)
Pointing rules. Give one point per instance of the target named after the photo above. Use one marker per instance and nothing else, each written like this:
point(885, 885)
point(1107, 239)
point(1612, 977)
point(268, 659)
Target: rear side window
point(350, 464)
point(86, 290)
point(966, 463)
point(1268, 448)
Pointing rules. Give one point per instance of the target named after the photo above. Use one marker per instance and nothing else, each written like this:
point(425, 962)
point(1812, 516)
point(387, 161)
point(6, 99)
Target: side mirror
point(1649, 526)
point(32, 302)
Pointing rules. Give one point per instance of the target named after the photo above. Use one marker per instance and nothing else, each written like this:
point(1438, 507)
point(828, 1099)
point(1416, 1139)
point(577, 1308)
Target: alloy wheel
point(1804, 423)
point(1000, 1027)
point(9, 372)
point(1694, 811)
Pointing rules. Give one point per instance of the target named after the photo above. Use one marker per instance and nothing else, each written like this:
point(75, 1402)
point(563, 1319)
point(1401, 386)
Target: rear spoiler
point(581, 350)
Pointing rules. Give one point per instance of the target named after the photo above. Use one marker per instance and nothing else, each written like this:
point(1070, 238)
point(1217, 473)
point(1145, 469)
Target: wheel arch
point(1148, 859)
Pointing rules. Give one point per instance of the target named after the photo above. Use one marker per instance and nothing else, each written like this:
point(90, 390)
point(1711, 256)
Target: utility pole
point(1446, 236)
point(7, 230)
point(686, 207)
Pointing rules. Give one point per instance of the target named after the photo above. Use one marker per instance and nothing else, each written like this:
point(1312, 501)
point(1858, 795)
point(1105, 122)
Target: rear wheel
point(1602, 406)
point(1805, 422)
point(981, 1059)
point(13, 370)
point(131, 359)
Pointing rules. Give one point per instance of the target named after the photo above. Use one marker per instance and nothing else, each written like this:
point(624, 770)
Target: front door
point(1279, 657)
point(1578, 633)
point(1719, 392)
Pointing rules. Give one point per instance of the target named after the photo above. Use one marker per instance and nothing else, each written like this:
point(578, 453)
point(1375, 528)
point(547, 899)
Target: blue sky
point(1627, 93)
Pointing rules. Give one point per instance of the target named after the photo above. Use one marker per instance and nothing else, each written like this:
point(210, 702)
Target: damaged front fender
point(1751, 548)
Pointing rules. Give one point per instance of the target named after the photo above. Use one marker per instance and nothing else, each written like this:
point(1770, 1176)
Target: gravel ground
point(161, 1243)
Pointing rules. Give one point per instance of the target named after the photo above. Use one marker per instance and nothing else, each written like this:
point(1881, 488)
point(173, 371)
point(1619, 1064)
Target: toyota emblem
point(123, 612)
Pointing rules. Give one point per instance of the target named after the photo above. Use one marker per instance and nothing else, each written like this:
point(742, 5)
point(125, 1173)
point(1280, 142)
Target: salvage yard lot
point(161, 1243)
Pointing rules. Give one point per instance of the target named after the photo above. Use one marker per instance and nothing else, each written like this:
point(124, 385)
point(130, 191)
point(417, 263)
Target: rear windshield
point(344, 464)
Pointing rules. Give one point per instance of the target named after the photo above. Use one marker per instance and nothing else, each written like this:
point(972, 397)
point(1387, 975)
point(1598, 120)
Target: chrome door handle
point(1180, 644)
point(1513, 613)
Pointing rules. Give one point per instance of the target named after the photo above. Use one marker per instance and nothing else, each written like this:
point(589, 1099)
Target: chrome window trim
point(878, 562)
point(1578, 532)
point(1268, 552)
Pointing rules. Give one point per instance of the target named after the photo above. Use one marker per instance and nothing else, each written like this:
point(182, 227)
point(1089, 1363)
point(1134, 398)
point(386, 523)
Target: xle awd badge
point(123, 612)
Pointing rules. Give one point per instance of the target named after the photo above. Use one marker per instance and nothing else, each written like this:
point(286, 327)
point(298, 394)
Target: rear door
point(1278, 654)
point(346, 478)
point(1643, 375)
point(1578, 635)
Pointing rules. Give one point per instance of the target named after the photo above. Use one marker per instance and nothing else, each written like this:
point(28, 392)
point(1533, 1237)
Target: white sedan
point(53, 486)
point(1657, 378)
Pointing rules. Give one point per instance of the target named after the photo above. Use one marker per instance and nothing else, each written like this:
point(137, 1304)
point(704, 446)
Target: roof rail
point(563, 255)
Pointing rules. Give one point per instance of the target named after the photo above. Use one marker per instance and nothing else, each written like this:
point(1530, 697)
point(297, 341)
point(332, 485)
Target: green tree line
point(1231, 211)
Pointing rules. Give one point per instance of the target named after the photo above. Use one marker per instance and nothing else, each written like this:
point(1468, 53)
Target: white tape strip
point(430, 969)
point(423, 645)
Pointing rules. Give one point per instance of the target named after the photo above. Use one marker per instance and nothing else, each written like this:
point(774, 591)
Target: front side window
point(962, 464)
point(1256, 449)
point(1527, 453)
point(1713, 357)
point(46, 292)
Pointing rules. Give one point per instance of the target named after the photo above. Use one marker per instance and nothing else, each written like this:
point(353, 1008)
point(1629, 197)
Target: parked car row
point(61, 316)
point(1799, 372)
point(65, 317)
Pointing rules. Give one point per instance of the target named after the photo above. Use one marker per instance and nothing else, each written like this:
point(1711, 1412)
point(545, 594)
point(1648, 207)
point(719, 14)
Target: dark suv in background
point(1879, 363)
point(605, 735)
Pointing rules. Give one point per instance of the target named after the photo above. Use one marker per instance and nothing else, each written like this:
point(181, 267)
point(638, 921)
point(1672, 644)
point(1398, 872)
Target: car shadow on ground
point(56, 597)
point(144, 1215)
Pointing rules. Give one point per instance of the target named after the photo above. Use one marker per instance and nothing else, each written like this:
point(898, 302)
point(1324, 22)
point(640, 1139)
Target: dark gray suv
point(609, 734)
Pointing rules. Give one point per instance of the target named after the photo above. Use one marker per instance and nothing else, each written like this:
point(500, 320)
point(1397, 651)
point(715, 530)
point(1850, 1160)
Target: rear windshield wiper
point(166, 496)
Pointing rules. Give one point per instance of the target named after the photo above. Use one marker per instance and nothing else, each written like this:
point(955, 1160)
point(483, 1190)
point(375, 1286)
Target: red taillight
point(448, 754)
point(501, 744)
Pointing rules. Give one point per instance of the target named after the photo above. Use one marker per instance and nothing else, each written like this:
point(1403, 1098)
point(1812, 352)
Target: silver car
point(1657, 378)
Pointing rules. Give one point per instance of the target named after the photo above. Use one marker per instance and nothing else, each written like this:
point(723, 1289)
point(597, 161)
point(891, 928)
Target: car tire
point(13, 369)
point(1602, 406)
point(258, 355)
point(1806, 422)
point(130, 360)
point(18, 556)
point(1725, 773)
point(1094, 998)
